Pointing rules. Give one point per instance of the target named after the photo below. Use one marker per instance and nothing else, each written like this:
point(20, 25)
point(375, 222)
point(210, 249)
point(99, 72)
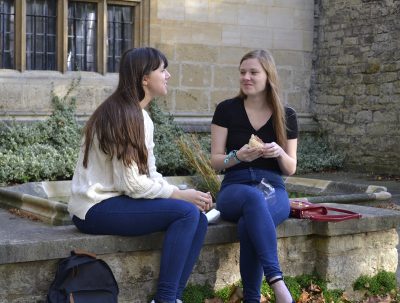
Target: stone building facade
point(355, 91)
point(316, 47)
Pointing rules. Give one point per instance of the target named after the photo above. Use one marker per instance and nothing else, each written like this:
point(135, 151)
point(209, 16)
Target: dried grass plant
point(199, 160)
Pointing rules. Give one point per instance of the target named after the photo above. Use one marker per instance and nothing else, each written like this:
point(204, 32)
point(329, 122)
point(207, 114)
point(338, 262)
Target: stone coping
point(47, 200)
point(52, 189)
point(22, 240)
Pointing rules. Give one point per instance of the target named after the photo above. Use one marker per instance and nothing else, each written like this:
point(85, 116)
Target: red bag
point(302, 209)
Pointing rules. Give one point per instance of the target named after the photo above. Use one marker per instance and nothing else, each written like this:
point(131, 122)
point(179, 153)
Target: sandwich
point(255, 141)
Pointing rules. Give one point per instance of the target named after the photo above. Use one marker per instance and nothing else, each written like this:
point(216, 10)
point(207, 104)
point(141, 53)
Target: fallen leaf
point(264, 299)
point(315, 288)
point(236, 295)
point(304, 297)
point(378, 299)
point(350, 295)
point(23, 214)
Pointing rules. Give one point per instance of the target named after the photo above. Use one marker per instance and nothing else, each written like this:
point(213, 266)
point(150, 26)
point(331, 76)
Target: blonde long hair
point(273, 92)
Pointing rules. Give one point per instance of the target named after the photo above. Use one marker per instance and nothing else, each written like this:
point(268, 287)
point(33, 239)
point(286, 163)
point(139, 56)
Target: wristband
point(231, 154)
point(235, 156)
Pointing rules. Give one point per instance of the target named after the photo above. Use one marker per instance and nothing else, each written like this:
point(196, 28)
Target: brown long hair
point(273, 92)
point(118, 122)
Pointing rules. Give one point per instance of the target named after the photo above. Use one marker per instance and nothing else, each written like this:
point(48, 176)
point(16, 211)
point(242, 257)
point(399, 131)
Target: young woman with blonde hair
point(257, 110)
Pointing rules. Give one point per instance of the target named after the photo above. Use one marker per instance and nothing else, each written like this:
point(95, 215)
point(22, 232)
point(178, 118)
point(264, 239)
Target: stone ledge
point(24, 241)
point(47, 200)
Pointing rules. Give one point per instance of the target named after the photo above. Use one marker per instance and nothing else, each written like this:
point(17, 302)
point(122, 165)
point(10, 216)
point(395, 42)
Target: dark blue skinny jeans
point(240, 201)
point(185, 228)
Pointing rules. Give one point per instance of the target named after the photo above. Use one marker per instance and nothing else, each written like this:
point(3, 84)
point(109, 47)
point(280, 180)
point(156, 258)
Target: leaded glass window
point(41, 27)
point(82, 35)
point(120, 34)
point(7, 15)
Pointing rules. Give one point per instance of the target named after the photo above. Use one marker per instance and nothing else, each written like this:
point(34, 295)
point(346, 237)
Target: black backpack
point(83, 278)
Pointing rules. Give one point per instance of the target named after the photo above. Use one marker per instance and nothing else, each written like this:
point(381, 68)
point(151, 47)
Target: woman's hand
point(248, 154)
point(272, 150)
point(202, 200)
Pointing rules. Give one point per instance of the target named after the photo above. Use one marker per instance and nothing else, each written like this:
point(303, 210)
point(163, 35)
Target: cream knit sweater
point(105, 178)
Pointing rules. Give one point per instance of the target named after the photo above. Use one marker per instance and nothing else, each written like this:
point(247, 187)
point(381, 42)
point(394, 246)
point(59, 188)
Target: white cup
point(213, 215)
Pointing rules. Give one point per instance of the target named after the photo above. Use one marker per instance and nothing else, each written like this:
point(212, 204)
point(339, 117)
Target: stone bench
point(338, 252)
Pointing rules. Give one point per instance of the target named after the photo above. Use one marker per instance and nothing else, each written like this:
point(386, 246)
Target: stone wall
point(338, 252)
point(344, 256)
point(355, 90)
point(204, 41)
point(348, 76)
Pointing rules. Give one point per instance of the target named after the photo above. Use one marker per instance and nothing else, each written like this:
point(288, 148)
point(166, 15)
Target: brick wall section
point(355, 90)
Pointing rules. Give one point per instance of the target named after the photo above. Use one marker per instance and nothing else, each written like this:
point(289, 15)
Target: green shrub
point(48, 150)
point(170, 160)
point(314, 154)
point(45, 150)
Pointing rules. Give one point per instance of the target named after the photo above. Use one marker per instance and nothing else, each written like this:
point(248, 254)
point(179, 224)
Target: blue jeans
point(240, 201)
point(185, 228)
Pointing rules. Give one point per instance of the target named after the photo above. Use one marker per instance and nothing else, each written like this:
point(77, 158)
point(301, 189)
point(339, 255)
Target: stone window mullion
point(20, 35)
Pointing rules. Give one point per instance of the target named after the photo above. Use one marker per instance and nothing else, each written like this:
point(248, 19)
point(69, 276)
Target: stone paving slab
point(392, 185)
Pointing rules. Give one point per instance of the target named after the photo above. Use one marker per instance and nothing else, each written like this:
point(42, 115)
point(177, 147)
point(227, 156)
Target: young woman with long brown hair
point(116, 189)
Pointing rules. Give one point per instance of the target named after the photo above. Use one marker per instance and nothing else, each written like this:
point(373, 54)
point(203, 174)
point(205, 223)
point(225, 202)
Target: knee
point(203, 222)
point(253, 197)
point(191, 211)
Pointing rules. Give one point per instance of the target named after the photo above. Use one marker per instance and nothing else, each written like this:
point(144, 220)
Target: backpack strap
point(77, 258)
point(81, 252)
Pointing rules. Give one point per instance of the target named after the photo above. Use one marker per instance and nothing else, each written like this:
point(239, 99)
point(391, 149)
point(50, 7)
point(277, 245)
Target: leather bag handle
point(345, 215)
point(319, 212)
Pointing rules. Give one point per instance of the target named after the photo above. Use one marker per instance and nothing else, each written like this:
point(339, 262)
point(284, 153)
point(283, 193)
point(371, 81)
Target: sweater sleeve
point(136, 185)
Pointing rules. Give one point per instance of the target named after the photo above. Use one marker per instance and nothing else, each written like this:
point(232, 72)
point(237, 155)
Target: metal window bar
point(82, 32)
point(120, 38)
point(41, 35)
point(7, 15)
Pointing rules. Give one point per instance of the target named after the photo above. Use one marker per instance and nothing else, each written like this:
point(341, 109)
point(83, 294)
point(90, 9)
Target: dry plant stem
point(199, 162)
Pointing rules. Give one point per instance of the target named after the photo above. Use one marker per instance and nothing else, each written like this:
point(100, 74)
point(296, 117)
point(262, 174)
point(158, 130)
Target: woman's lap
point(126, 216)
point(231, 199)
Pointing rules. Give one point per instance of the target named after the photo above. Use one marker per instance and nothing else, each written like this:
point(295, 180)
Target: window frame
point(10, 34)
point(109, 48)
point(98, 37)
point(141, 31)
point(44, 53)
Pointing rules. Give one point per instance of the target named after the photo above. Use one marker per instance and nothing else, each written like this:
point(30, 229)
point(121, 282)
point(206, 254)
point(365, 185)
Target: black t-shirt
point(231, 114)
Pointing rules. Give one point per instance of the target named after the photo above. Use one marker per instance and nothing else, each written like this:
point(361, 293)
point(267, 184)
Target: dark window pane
point(82, 32)
point(7, 15)
point(120, 34)
point(41, 34)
